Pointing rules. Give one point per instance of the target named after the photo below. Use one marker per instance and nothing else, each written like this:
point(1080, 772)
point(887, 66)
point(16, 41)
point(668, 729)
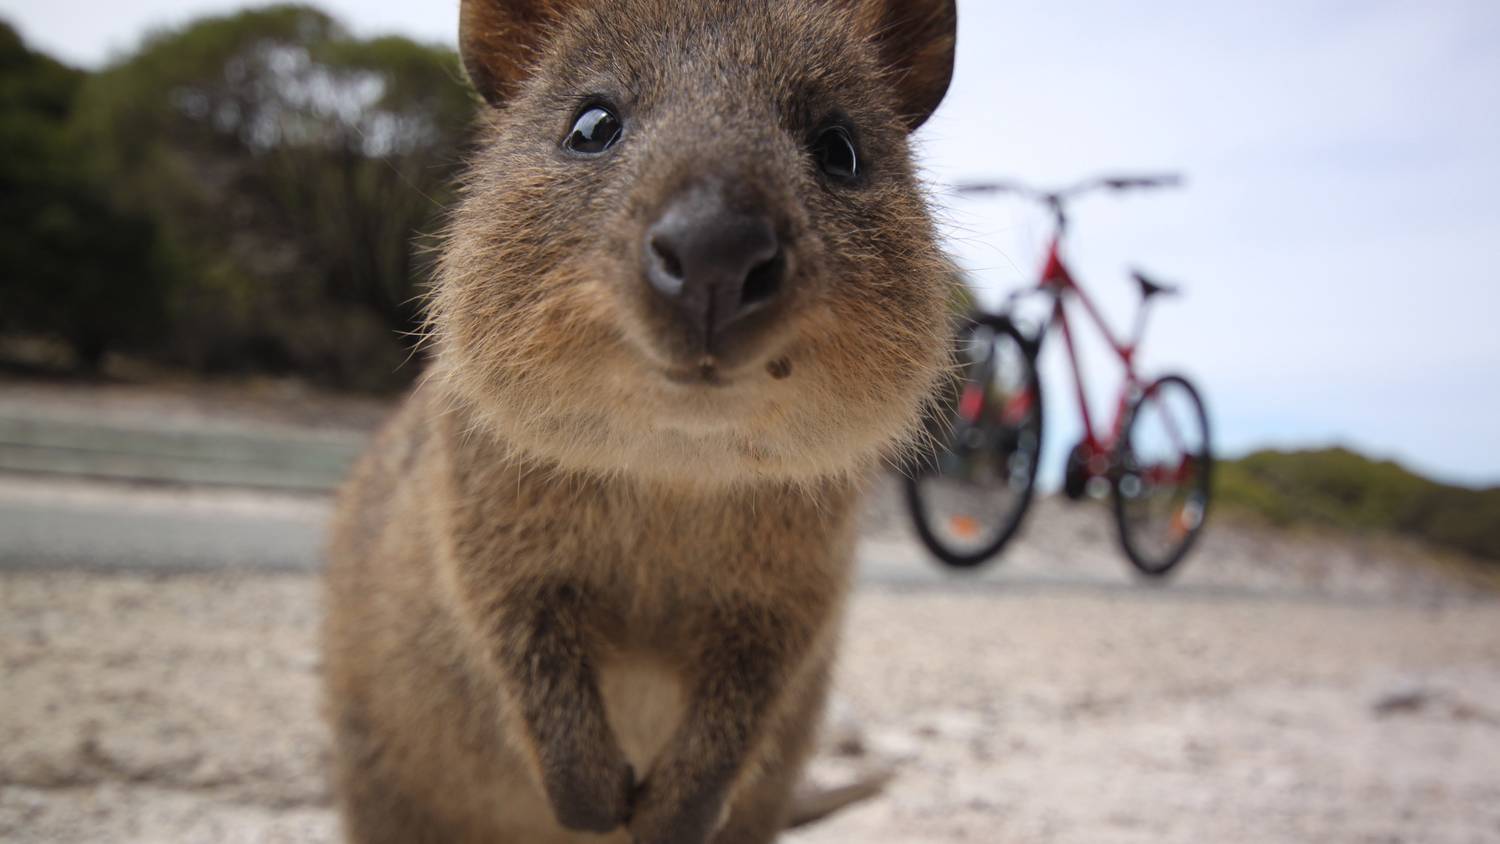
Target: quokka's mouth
point(708, 371)
point(701, 376)
point(711, 372)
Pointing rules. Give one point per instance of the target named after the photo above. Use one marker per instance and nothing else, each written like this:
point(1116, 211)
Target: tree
point(73, 265)
point(289, 168)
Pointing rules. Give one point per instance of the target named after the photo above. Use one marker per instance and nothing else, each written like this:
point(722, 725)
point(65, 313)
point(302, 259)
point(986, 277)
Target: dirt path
point(181, 708)
point(1284, 688)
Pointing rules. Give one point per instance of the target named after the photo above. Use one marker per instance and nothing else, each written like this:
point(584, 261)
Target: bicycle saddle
point(1151, 288)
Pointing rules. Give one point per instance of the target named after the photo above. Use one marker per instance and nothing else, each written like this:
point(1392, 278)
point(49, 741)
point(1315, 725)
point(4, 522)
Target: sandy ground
point(1283, 688)
point(182, 708)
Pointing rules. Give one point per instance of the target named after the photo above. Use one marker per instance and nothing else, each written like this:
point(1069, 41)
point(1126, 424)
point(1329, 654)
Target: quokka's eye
point(594, 132)
point(834, 151)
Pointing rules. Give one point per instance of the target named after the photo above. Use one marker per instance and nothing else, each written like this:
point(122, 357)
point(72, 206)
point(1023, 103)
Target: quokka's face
point(693, 246)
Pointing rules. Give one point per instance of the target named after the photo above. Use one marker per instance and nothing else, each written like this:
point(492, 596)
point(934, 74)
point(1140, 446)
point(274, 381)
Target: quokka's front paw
point(675, 816)
point(588, 796)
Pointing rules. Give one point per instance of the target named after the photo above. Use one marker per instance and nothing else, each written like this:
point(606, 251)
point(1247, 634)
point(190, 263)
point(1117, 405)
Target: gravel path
point(158, 671)
point(182, 708)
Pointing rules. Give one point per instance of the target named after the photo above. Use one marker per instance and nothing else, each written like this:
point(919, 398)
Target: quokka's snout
point(729, 247)
point(720, 269)
point(710, 233)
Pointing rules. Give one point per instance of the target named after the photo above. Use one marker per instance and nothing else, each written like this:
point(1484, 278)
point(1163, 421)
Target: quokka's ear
point(501, 39)
point(916, 40)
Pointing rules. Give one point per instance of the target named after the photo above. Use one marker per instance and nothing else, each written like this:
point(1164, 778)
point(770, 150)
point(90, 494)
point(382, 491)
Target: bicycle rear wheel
point(969, 501)
point(1163, 475)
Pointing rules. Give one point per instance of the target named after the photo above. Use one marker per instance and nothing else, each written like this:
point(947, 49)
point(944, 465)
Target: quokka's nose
point(713, 263)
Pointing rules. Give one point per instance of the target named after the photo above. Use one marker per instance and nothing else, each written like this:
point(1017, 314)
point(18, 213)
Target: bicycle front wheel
point(1163, 475)
point(969, 502)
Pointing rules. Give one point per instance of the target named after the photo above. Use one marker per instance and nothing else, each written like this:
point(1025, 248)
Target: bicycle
point(1156, 459)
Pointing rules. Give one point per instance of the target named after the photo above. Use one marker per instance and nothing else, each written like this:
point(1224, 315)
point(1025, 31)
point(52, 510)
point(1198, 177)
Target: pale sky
point(1338, 237)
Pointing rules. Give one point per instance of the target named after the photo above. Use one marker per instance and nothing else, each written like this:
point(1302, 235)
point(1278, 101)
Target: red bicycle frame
point(1057, 280)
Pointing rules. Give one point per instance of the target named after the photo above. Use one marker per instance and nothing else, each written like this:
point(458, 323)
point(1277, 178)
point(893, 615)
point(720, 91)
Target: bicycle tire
point(971, 558)
point(1159, 566)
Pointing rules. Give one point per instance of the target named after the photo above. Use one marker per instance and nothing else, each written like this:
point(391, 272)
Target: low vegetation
point(1339, 488)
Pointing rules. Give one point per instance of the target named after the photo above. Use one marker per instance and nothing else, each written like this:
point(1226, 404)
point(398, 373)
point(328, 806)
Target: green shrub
point(1340, 488)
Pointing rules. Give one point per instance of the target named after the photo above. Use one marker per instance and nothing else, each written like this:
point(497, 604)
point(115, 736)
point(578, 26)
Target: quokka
point(587, 585)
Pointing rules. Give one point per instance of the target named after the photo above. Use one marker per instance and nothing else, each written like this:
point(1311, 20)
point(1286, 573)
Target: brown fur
point(569, 593)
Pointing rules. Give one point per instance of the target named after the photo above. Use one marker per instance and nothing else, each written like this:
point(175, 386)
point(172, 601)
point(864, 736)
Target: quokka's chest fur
point(645, 700)
point(659, 560)
point(658, 566)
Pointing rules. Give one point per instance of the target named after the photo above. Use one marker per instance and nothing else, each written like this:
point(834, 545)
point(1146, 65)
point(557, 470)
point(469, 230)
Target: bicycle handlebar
point(1051, 197)
point(1054, 199)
